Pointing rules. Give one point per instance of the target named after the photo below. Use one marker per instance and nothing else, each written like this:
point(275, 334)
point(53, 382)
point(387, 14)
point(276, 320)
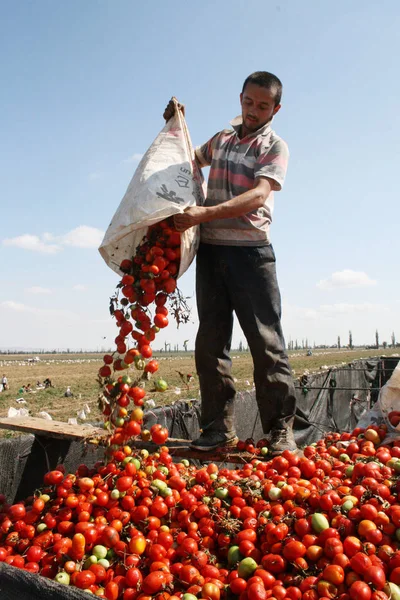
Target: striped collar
point(264, 130)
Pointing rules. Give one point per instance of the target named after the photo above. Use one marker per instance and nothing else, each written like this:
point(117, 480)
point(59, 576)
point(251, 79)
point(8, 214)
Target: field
point(79, 371)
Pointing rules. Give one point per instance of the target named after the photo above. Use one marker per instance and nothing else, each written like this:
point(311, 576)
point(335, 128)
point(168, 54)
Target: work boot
point(281, 440)
point(211, 440)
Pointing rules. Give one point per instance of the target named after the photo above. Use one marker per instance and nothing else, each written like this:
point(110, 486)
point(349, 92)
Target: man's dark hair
point(266, 80)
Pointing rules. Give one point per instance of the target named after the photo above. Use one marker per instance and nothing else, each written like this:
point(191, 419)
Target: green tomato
point(274, 493)
point(234, 556)
point(104, 563)
point(221, 493)
point(62, 577)
point(246, 567)
point(115, 494)
point(91, 560)
point(126, 379)
point(264, 451)
point(99, 551)
point(158, 483)
point(161, 386)
point(185, 462)
point(166, 492)
point(189, 597)
point(392, 591)
point(349, 470)
point(140, 363)
point(348, 505)
point(41, 527)
point(137, 464)
point(345, 458)
point(319, 522)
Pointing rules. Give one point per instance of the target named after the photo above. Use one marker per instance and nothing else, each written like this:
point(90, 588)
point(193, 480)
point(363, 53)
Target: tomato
point(210, 591)
point(360, 590)
point(84, 579)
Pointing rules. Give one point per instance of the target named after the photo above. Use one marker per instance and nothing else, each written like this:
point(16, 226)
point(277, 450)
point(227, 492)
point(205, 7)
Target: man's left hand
point(192, 216)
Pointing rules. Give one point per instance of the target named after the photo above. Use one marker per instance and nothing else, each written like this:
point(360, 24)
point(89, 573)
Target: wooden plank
point(53, 429)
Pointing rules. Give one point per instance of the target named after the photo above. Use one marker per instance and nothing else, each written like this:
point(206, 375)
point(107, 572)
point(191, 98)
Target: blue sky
point(84, 85)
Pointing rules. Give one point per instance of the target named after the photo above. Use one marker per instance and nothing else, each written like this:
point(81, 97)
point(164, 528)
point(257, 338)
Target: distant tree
point(307, 343)
point(377, 338)
point(240, 346)
point(296, 347)
point(393, 337)
point(338, 341)
point(167, 347)
point(351, 341)
point(384, 344)
point(185, 343)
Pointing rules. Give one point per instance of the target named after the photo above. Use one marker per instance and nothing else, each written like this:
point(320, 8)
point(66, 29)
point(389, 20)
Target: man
point(236, 269)
point(4, 383)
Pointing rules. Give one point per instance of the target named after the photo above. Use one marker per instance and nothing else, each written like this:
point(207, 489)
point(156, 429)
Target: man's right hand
point(170, 109)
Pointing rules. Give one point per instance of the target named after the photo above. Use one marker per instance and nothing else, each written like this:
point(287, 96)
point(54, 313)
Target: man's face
point(258, 107)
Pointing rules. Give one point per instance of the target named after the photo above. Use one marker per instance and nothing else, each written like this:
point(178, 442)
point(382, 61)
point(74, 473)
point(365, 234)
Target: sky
point(83, 89)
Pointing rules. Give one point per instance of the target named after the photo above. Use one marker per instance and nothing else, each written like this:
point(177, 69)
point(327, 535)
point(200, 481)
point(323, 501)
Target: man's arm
point(236, 207)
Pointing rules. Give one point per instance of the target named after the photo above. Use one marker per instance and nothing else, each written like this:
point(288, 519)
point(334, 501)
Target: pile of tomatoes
point(141, 526)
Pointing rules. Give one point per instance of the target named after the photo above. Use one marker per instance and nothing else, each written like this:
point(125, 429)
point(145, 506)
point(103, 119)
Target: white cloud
point(136, 157)
point(46, 312)
point(79, 287)
point(83, 237)
point(32, 242)
point(80, 237)
point(37, 289)
point(346, 279)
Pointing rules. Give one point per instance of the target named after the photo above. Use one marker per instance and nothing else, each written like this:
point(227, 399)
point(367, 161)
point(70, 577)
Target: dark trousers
point(241, 279)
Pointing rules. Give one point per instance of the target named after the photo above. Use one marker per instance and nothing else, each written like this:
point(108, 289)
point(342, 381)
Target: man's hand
point(192, 216)
point(170, 109)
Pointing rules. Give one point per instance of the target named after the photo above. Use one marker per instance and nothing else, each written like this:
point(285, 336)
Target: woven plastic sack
point(165, 183)
point(388, 401)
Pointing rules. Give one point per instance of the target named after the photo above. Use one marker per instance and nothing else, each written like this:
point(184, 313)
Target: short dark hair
point(266, 80)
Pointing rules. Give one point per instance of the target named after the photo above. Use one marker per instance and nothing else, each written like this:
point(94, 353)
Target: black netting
point(16, 584)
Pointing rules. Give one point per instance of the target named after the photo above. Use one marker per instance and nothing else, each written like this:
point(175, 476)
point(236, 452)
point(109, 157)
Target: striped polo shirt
point(235, 164)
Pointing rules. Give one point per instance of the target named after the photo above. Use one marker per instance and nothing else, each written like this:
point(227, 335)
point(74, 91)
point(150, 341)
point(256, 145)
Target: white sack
point(165, 183)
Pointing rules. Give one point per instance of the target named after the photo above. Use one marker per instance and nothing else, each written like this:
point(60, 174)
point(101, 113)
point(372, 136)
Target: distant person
point(47, 383)
point(4, 383)
point(28, 388)
point(68, 393)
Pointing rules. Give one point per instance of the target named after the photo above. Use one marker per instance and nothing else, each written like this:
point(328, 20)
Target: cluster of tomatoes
point(140, 311)
point(141, 527)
